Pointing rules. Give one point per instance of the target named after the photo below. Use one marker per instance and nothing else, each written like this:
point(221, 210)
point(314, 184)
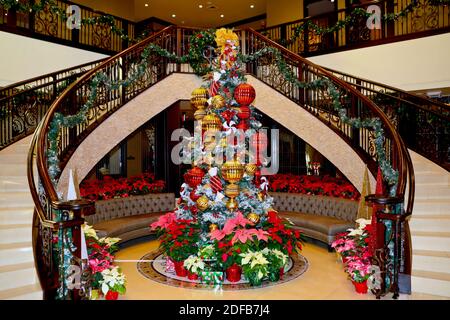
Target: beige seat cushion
point(118, 226)
point(323, 224)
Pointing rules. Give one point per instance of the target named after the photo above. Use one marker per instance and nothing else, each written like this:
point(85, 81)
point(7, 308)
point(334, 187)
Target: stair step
point(435, 191)
point(15, 235)
point(16, 216)
point(431, 206)
point(9, 256)
point(434, 241)
point(19, 158)
point(431, 177)
point(29, 292)
point(431, 263)
point(14, 183)
point(430, 286)
point(13, 169)
point(423, 223)
point(16, 200)
point(10, 279)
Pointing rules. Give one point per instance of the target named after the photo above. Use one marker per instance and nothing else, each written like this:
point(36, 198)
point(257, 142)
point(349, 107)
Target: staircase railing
point(425, 20)
point(24, 104)
point(104, 89)
point(424, 124)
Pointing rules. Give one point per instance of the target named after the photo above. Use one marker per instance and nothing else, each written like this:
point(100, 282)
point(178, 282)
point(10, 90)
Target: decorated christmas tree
point(224, 220)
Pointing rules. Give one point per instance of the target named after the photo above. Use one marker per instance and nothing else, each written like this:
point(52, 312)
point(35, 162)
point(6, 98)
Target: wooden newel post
point(72, 215)
point(388, 255)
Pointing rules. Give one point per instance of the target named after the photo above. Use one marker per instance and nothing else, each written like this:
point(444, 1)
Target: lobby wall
point(22, 58)
point(282, 11)
point(409, 65)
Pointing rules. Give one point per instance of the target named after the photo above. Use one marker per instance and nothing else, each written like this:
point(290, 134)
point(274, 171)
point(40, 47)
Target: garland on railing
point(349, 20)
point(31, 6)
point(390, 175)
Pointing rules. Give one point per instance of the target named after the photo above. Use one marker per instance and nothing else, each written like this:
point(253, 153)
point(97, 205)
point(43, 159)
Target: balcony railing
point(425, 19)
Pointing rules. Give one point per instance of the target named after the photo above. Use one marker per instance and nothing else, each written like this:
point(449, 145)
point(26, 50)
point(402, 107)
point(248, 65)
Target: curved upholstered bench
point(129, 218)
point(319, 217)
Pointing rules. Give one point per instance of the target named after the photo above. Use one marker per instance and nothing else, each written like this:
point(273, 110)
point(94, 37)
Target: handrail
point(367, 102)
point(24, 104)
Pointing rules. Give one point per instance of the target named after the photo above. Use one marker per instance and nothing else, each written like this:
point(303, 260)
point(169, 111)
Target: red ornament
point(194, 196)
point(234, 273)
point(242, 125)
point(194, 177)
point(259, 141)
point(244, 94)
point(194, 210)
point(257, 178)
point(216, 184)
point(244, 112)
point(228, 115)
point(111, 295)
point(180, 270)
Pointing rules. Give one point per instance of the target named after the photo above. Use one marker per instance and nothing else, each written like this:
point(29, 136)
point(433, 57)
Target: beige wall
point(120, 8)
point(409, 65)
point(281, 11)
point(22, 58)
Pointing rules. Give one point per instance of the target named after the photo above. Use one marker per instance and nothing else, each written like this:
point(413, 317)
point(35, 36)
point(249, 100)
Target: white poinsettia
point(109, 241)
point(194, 264)
point(280, 255)
point(89, 231)
point(355, 232)
point(362, 223)
point(254, 258)
point(111, 279)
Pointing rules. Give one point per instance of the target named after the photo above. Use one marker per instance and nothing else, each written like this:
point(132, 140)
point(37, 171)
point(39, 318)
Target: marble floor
point(324, 280)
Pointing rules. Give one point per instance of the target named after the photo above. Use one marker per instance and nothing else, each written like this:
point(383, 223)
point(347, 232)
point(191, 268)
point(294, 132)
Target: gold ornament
point(213, 227)
point(202, 203)
point(253, 218)
point(250, 169)
point(232, 171)
point(261, 196)
point(218, 102)
point(199, 98)
point(211, 122)
point(199, 114)
point(232, 191)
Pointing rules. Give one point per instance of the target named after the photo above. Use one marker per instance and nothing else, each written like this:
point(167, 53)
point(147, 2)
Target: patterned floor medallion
point(152, 266)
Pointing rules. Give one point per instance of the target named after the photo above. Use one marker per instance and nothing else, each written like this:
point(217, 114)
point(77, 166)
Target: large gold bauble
point(232, 171)
point(253, 218)
point(250, 169)
point(202, 203)
point(199, 98)
point(231, 204)
point(218, 102)
point(232, 190)
point(213, 227)
point(211, 122)
point(199, 114)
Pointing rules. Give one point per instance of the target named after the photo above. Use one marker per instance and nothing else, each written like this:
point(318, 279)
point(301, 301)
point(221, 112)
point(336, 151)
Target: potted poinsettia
point(281, 235)
point(277, 261)
point(194, 265)
point(359, 270)
point(113, 283)
point(178, 239)
point(255, 266)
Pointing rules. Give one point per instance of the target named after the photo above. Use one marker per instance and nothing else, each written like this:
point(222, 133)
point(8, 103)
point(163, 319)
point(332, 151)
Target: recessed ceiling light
point(146, 4)
point(200, 6)
point(174, 15)
point(222, 16)
point(252, 6)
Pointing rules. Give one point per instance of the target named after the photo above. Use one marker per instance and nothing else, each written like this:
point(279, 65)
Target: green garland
point(389, 174)
point(357, 13)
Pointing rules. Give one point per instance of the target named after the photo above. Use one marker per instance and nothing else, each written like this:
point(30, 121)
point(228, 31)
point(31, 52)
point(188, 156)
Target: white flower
point(354, 232)
point(194, 263)
point(89, 231)
point(109, 241)
point(110, 278)
point(363, 223)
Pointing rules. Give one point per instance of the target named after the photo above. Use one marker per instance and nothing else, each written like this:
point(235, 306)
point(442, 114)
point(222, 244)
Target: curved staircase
point(429, 224)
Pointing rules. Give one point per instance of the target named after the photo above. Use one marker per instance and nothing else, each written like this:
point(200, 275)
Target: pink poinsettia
point(164, 221)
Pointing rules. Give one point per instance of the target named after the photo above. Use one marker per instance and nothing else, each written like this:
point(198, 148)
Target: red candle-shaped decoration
point(242, 125)
point(244, 94)
point(244, 113)
point(258, 141)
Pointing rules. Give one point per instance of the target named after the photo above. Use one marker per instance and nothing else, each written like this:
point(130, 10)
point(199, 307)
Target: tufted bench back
point(319, 205)
point(132, 206)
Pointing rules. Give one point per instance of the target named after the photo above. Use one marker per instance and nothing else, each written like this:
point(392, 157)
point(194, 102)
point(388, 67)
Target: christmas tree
point(224, 213)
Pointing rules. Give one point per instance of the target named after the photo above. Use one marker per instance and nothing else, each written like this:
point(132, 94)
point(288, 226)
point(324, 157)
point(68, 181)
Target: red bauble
point(234, 273)
point(242, 125)
point(194, 177)
point(194, 196)
point(244, 94)
point(111, 295)
point(244, 112)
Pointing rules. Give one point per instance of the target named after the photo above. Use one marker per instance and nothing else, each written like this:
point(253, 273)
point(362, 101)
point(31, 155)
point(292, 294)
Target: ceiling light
point(200, 6)
point(146, 4)
point(252, 6)
point(174, 15)
point(222, 16)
